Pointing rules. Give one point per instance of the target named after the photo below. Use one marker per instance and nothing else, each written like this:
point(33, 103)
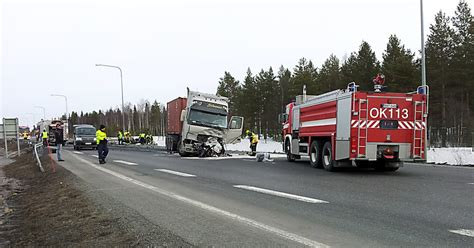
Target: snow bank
point(159, 140)
point(452, 156)
point(263, 146)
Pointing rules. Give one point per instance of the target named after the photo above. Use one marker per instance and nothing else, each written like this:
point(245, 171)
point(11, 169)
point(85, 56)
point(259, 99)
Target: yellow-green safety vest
point(45, 135)
point(99, 135)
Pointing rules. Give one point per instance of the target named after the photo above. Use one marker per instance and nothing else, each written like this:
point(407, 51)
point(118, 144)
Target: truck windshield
point(85, 131)
point(197, 117)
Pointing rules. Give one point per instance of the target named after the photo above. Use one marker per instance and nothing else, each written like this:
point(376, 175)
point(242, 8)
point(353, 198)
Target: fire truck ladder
point(362, 129)
point(418, 132)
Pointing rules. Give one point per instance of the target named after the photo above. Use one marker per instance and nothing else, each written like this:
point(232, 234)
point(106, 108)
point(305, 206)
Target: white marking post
point(465, 232)
point(276, 231)
point(177, 173)
point(125, 162)
point(280, 194)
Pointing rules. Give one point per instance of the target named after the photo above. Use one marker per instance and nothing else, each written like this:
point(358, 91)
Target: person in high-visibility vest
point(120, 137)
point(253, 142)
point(102, 149)
point(44, 135)
point(141, 137)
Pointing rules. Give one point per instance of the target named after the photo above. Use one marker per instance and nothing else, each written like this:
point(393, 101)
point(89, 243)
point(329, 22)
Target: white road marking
point(465, 232)
point(281, 194)
point(125, 162)
point(76, 152)
point(471, 183)
point(177, 173)
point(95, 156)
point(279, 232)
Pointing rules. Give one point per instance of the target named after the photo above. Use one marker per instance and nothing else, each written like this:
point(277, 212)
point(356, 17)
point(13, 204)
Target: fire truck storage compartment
point(343, 125)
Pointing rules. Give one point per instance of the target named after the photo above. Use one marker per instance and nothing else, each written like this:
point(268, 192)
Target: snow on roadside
point(452, 156)
point(263, 146)
point(159, 140)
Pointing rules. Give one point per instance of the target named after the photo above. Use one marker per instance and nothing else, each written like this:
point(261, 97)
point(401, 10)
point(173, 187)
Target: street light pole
point(66, 116)
point(121, 84)
point(65, 99)
point(423, 63)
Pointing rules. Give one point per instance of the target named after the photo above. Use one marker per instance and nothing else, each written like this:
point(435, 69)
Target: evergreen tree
point(399, 67)
point(439, 54)
point(304, 73)
point(462, 73)
point(330, 74)
point(249, 101)
point(230, 88)
point(284, 77)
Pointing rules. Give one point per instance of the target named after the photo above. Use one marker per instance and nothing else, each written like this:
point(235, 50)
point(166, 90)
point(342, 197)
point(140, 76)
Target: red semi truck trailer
point(345, 128)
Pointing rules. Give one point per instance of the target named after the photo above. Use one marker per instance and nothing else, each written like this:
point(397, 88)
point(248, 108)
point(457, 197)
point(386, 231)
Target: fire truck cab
point(345, 128)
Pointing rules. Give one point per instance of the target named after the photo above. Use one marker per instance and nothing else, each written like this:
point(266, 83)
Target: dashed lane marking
point(280, 194)
point(76, 152)
point(274, 230)
point(465, 232)
point(125, 162)
point(95, 156)
point(177, 173)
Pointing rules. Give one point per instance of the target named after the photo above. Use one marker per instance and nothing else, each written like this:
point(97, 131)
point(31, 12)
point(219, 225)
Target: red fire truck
point(345, 128)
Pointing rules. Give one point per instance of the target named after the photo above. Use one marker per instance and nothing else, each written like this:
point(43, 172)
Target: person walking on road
point(102, 148)
point(59, 138)
point(44, 135)
point(253, 142)
point(120, 137)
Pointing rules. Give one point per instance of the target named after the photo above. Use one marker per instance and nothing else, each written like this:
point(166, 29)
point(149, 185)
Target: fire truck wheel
point(315, 154)
point(290, 157)
point(328, 163)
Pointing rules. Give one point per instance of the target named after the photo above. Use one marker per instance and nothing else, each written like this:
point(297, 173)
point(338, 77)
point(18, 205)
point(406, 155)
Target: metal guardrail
point(38, 160)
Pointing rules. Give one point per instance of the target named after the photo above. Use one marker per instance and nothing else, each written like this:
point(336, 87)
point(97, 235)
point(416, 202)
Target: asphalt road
point(238, 202)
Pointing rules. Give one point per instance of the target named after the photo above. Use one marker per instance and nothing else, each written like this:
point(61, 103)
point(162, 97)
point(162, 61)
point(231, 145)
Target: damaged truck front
point(199, 125)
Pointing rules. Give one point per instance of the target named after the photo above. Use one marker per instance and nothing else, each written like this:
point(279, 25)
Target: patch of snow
point(263, 146)
point(452, 156)
point(159, 140)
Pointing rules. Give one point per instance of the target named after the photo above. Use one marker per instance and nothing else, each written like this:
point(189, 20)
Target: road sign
point(9, 130)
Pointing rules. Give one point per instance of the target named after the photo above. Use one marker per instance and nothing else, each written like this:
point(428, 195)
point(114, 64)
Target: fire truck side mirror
point(282, 118)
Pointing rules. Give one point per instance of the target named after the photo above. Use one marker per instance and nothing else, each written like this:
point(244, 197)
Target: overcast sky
point(165, 46)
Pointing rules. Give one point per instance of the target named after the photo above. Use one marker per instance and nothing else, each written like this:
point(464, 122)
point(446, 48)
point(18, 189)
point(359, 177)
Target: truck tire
point(315, 154)
point(327, 159)
point(290, 157)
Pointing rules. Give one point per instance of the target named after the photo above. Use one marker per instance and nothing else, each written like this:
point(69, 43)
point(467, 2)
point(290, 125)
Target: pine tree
point(330, 74)
point(399, 67)
point(462, 71)
point(230, 88)
point(248, 100)
point(304, 73)
point(284, 77)
point(439, 54)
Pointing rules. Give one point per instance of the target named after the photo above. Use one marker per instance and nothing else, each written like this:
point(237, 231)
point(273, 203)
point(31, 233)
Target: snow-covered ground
point(452, 156)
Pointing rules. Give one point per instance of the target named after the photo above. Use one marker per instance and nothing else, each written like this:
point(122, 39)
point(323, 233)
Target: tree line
point(142, 117)
point(262, 96)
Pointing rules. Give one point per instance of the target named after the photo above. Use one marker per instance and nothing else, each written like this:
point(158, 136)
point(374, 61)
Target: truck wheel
point(290, 157)
point(327, 158)
point(315, 154)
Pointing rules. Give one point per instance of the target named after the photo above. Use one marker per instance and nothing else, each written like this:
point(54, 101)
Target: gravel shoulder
point(57, 208)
